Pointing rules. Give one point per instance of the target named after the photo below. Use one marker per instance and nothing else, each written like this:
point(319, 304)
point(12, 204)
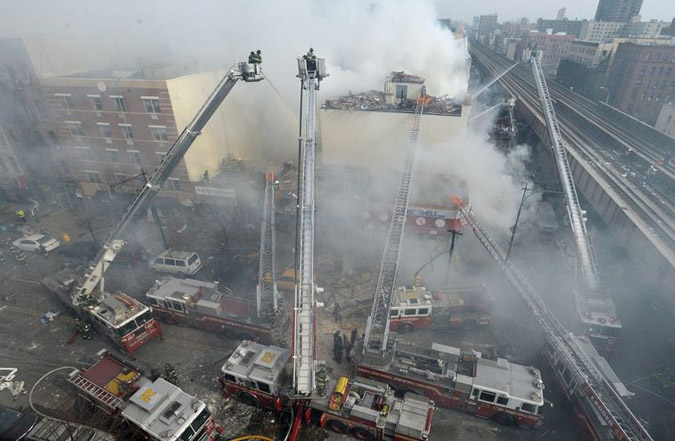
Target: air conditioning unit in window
point(108, 141)
point(154, 116)
point(130, 142)
point(120, 115)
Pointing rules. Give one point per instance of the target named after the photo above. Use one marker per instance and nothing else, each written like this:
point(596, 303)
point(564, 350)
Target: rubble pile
point(402, 77)
point(375, 101)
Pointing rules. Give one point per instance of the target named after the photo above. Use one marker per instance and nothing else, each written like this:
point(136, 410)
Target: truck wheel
point(337, 426)
point(362, 434)
point(505, 419)
point(169, 319)
point(405, 328)
point(249, 399)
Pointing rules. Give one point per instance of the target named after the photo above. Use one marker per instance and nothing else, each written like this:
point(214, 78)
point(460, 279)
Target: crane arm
point(112, 245)
point(377, 326)
point(575, 213)
point(607, 403)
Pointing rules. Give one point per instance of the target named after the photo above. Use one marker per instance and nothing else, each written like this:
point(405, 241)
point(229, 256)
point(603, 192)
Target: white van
point(177, 262)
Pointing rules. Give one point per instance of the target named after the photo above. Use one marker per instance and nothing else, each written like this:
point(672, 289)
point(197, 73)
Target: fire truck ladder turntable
point(575, 213)
point(377, 327)
point(113, 244)
point(267, 297)
point(590, 382)
point(311, 72)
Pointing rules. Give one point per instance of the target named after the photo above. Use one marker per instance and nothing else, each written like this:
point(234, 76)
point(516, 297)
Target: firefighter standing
point(337, 347)
point(21, 216)
point(84, 329)
point(170, 374)
point(255, 57)
point(337, 316)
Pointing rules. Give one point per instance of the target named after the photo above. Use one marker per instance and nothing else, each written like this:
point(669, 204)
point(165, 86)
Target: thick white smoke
point(361, 41)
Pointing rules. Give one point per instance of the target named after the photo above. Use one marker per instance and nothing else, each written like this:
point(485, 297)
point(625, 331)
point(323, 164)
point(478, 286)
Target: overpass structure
point(610, 155)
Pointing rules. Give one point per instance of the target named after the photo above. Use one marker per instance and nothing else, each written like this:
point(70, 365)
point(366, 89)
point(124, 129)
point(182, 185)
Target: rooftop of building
point(375, 101)
point(402, 77)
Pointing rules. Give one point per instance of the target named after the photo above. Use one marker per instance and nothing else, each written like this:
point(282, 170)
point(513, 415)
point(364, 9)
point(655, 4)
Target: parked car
point(22, 426)
point(15, 425)
point(37, 243)
point(177, 262)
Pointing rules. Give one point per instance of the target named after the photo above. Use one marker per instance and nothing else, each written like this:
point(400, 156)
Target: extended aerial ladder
point(267, 301)
point(588, 380)
point(113, 244)
point(376, 337)
point(593, 290)
point(303, 346)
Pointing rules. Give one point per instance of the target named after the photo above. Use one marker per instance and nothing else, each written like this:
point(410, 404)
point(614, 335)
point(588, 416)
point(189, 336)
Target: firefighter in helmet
point(255, 57)
point(84, 329)
point(21, 216)
point(170, 374)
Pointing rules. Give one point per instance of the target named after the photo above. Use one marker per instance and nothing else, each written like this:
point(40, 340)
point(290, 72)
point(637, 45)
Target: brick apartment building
point(26, 139)
point(642, 79)
point(554, 47)
point(109, 129)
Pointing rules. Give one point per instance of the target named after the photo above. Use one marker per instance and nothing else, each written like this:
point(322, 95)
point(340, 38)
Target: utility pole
point(515, 226)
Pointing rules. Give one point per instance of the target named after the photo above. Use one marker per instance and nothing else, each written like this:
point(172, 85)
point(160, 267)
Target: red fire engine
point(506, 392)
point(127, 322)
point(261, 376)
point(156, 409)
point(418, 308)
point(201, 305)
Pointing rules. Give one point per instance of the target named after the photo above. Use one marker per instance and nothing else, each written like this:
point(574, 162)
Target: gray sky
point(511, 9)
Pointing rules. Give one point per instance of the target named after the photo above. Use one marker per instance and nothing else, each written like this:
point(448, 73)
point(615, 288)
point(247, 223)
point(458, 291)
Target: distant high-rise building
point(561, 14)
point(487, 23)
point(617, 10)
point(572, 27)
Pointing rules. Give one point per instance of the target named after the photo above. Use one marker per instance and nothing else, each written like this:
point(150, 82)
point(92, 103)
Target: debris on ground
point(49, 316)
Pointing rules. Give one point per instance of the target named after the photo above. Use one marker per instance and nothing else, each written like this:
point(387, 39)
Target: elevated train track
point(641, 215)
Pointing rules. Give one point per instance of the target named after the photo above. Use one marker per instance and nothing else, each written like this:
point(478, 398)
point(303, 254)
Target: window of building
point(638, 83)
point(642, 97)
point(663, 85)
point(643, 71)
point(151, 104)
point(127, 131)
point(657, 97)
point(401, 92)
point(114, 155)
point(3, 166)
point(64, 101)
point(660, 70)
point(652, 71)
point(105, 130)
point(120, 106)
point(669, 71)
point(76, 128)
point(173, 184)
point(96, 103)
point(84, 153)
point(94, 177)
point(15, 165)
point(648, 83)
point(134, 156)
point(159, 133)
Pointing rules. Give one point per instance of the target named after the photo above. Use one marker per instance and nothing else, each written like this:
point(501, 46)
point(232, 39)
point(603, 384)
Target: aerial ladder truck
point(377, 336)
point(293, 380)
point(127, 322)
point(579, 372)
point(594, 306)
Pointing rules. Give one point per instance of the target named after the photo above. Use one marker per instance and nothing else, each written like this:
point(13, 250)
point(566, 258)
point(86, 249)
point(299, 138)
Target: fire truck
point(261, 376)
point(201, 305)
point(156, 410)
point(418, 308)
point(498, 389)
point(126, 321)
